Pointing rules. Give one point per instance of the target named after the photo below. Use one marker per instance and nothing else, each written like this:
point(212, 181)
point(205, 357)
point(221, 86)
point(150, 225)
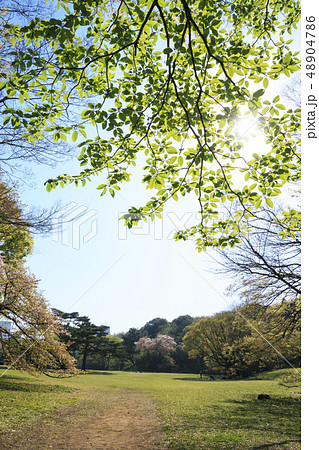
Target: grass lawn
point(196, 414)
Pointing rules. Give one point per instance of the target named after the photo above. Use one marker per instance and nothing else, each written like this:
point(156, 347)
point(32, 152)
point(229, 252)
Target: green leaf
point(74, 135)
point(269, 202)
point(258, 93)
point(287, 58)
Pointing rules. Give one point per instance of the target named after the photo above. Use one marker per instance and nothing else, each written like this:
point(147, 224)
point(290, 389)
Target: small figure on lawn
point(201, 374)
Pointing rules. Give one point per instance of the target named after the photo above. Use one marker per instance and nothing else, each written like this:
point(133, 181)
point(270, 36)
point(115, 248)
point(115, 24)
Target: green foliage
point(85, 338)
point(18, 147)
point(154, 327)
point(110, 353)
point(246, 340)
point(154, 362)
point(15, 239)
point(168, 80)
point(178, 327)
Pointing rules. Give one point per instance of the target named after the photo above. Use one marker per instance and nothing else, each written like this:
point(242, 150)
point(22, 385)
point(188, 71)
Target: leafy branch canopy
point(168, 80)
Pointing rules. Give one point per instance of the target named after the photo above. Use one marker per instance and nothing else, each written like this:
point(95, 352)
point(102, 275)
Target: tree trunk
point(85, 351)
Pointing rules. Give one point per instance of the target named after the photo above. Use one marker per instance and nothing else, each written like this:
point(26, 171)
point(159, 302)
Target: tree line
point(156, 347)
point(236, 343)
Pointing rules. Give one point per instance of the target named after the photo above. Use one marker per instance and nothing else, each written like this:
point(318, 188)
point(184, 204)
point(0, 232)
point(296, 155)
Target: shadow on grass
point(6, 385)
point(276, 406)
point(273, 444)
point(98, 372)
point(189, 379)
point(277, 417)
point(270, 423)
point(15, 376)
point(275, 374)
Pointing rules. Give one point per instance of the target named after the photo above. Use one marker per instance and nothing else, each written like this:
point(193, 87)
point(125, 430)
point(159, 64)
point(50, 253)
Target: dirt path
point(122, 419)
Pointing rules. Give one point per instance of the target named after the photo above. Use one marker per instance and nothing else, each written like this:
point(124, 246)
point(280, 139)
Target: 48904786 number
point(310, 48)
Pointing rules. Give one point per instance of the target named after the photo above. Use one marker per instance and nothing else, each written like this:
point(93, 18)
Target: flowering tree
point(162, 344)
point(155, 352)
point(32, 342)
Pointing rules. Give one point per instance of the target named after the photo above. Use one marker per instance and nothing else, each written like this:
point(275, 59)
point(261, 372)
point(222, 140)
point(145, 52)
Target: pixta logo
point(74, 225)
point(164, 228)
